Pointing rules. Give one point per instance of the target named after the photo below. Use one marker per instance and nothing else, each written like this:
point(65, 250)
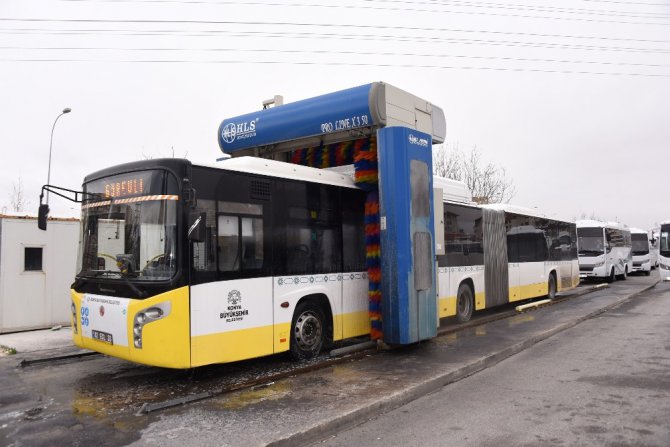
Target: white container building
point(36, 270)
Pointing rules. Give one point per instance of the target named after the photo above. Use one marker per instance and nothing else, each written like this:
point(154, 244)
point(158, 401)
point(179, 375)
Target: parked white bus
point(654, 243)
point(641, 251)
point(664, 250)
point(604, 250)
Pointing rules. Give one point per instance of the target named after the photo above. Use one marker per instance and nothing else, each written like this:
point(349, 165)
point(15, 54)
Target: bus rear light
point(146, 316)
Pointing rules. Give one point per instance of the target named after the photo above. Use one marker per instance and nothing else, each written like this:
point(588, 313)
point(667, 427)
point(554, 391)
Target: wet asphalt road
point(95, 401)
point(604, 382)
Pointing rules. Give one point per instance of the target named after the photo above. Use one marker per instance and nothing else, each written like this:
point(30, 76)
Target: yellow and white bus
point(272, 260)
point(182, 265)
point(497, 254)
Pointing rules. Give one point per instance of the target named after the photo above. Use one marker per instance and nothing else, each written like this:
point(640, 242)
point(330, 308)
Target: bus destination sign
point(126, 185)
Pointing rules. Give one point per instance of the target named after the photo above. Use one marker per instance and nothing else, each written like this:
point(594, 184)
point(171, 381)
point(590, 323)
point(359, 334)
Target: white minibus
point(604, 250)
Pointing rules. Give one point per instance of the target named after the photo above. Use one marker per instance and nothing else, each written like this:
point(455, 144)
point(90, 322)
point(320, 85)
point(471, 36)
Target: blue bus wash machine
point(405, 127)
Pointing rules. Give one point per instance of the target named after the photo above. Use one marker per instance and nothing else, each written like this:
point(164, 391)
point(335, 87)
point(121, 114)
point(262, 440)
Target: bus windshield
point(665, 241)
point(640, 244)
point(128, 227)
point(590, 241)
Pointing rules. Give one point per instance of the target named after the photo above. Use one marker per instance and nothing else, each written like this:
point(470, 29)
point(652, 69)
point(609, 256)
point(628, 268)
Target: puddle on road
point(520, 319)
point(244, 398)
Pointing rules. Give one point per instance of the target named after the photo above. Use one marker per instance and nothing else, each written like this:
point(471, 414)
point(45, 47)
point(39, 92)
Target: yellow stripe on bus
point(232, 346)
point(353, 324)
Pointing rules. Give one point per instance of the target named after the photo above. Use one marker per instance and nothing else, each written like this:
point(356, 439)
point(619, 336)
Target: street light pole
point(65, 110)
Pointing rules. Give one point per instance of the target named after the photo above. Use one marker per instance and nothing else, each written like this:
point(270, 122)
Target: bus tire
point(610, 279)
point(624, 275)
point(551, 286)
point(464, 303)
point(308, 331)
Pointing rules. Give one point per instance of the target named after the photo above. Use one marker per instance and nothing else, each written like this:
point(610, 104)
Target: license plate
point(102, 336)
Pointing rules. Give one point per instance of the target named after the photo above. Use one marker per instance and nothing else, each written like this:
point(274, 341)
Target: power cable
point(344, 64)
point(338, 52)
point(369, 37)
point(296, 24)
point(460, 3)
point(368, 7)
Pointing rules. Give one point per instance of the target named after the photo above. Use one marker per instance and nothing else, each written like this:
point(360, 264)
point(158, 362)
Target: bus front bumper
point(592, 272)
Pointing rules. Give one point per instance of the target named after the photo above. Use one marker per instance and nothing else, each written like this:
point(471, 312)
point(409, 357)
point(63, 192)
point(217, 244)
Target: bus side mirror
point(42, 216)
point(197, 224)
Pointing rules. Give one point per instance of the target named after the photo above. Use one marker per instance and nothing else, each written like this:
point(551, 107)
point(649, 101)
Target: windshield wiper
point(97, 273)
point(139, 293)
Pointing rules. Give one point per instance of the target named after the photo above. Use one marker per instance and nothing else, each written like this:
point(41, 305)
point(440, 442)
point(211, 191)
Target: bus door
point(514, 265)
point(355, 319)
point(308, 252)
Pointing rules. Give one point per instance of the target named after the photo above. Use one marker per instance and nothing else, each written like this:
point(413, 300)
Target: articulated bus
point(664, 250)
point(497, 254)
point(604, 250)
point(641, 249)
point(182, 265)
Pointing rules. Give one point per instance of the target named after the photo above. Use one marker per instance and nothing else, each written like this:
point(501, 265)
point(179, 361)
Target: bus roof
point(280, 169)
point(515, 209)
point(637, 231)
point(590, 223)
point(453, 190)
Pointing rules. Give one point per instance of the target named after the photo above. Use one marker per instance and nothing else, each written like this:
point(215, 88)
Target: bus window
point(463, 236)
point(204, 253)
point(353, 230)
point(240, 236)
point(313, 229)
point(228, 238)
point(529, 241)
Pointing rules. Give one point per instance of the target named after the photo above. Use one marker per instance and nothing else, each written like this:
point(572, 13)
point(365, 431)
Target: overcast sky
point(572, 98)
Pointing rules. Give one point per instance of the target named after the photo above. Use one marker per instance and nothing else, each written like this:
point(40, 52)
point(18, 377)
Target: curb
point(403, 397)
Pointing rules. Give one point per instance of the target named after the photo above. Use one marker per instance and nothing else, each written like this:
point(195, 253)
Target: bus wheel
point(624, 275)
point(551, 287)
point(464, 303)
point(612, 277)
point(307, 331)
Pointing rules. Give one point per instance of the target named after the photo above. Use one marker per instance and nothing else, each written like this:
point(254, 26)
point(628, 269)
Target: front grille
point(637, 264)
point(586, 268)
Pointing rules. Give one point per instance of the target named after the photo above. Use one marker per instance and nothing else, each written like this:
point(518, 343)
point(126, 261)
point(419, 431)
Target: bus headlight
point(599, 264)
point(73, 310)
point(664, 266)
point(146, 316)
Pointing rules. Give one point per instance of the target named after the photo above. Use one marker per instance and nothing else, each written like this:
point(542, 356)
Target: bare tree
point(17, 197)
point(487, 183)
